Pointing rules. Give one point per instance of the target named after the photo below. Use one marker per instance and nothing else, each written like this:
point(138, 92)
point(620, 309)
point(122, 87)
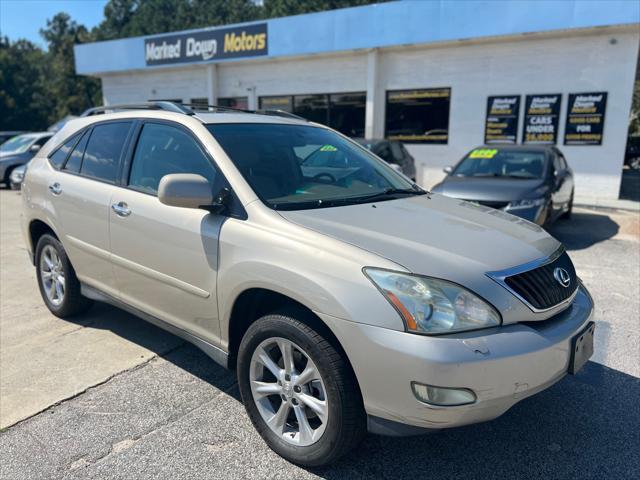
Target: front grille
point(540, 288)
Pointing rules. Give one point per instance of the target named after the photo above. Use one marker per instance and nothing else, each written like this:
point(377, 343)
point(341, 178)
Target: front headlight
point(432, 306)
point(527, 203)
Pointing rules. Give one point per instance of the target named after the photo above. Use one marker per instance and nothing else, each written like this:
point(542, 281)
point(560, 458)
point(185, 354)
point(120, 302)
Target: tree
point(71, 93)
point(23, 100)
point(282, 8)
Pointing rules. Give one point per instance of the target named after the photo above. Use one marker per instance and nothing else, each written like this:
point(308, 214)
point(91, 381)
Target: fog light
point(442, 396)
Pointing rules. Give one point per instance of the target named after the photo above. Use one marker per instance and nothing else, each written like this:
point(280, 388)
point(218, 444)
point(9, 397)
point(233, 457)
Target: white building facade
point(425, 73)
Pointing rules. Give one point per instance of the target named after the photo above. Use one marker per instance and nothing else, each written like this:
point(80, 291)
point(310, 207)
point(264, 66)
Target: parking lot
point(108, 396)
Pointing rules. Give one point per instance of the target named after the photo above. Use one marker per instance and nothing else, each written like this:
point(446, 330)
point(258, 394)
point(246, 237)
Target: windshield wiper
point(388, 194)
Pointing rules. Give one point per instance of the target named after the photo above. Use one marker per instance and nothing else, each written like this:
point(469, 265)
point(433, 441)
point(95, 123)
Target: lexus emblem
point(562, 276)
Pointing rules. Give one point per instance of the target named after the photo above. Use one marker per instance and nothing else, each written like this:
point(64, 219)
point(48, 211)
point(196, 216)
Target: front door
point(166, 258)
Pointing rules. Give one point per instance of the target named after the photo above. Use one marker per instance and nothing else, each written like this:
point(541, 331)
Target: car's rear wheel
point(299, 391)
point(59, 286)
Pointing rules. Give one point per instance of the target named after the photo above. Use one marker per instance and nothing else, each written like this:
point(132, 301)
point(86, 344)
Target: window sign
point(541, 114)
point(418, 116)
point(585, 118)
point(501, 124)
point(282, 102)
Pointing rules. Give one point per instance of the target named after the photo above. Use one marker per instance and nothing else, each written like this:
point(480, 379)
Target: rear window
point(102, 155)
point(60, 155)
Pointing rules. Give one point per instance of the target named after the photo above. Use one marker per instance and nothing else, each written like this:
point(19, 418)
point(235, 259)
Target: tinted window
point(41, 141)
point(75, 159)
point(102, 155)
point(297, 166)
point(419, 116)
point(60, 155)
point(162, 150)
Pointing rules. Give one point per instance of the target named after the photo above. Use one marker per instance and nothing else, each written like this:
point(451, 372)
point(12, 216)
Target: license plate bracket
point(581, 348)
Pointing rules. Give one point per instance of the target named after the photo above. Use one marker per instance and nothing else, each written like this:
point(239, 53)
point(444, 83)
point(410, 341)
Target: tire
point(567, 215)
point(53, 268)
point(344, 424)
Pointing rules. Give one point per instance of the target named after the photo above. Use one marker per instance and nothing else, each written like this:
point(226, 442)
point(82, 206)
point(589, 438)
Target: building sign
point(501, 124)
point(541, 115)
point(585, 118)
point(207, 45)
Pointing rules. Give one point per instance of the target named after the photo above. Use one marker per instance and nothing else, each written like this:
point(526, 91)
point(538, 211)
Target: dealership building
point(441, 76)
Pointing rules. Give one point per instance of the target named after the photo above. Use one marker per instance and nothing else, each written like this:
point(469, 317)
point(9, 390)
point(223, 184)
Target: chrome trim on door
point(55, 188)
point(121, 209)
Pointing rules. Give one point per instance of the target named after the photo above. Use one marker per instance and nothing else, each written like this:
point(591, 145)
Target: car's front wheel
point(59, 286)
point(299, 391)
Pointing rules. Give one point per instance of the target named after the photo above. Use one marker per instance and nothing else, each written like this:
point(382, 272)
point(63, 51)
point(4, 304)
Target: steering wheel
point(328, 178)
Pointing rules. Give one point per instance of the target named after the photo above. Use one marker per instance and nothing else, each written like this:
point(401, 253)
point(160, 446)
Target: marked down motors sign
point(207, 45)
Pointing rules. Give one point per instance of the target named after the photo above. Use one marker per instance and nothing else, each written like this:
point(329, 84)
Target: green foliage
point(23, 101)
point(38, 88)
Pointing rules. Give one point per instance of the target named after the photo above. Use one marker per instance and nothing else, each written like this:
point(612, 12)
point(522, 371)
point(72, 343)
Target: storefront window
point(418, 116)
point(347, 113)
point(281, 102)
point(343, 111)
point(200, 102)
point(312, 107)
point(234, 102)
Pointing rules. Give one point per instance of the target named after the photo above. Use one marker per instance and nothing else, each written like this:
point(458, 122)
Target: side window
point(162, 150)
point(102, 155)
point(60, 155)
point(397, 152)
point(557, 163)
point(41, 141)
point(75, 159)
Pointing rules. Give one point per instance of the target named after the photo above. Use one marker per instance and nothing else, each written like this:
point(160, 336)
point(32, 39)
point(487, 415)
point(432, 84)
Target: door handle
point(55, 188)
point(121, 209)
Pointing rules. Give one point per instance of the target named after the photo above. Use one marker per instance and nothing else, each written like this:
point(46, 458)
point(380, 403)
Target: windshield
point(494, 162)
point(18, 144)
point(293, 167)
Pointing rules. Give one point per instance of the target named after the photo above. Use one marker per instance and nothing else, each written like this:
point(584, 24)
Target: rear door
point(82, 191)
point(166, 258)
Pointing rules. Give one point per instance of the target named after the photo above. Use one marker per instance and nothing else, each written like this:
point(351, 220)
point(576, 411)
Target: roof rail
point(161, 105)
point(185, 108)
point(281, 113)
point(276, 113)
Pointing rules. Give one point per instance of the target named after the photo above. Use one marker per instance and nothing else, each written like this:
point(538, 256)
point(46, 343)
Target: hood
point(433, 235)
point(492, 189)
point(7, 156)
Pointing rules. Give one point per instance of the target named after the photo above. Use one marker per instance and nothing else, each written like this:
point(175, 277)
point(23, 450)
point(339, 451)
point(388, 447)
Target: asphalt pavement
point(174, 414)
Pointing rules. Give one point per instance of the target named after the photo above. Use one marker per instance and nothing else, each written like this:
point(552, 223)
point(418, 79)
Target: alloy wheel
point(52, 275)
point(288, 391)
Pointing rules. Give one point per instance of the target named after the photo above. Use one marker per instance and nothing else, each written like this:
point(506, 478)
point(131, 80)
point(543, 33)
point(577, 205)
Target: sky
point(25, 18)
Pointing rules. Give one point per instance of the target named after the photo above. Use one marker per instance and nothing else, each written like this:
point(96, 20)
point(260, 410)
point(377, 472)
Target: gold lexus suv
point(346, 297)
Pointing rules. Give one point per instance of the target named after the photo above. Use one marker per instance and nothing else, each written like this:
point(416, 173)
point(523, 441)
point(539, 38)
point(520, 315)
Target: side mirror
point(185, 190)
point(448, 170)
point(34, 148)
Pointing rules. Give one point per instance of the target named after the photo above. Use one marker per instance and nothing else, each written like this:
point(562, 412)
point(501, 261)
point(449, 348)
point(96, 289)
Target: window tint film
point(60, 155)
point(102, 155)
point(75, 159)
point(162, 150)
point(294, 167)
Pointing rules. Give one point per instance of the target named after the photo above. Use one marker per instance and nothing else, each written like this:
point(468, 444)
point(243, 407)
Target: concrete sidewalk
point(43, 359)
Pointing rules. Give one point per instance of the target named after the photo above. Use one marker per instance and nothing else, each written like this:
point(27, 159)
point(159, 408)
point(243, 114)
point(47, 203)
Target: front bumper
point(502, 366)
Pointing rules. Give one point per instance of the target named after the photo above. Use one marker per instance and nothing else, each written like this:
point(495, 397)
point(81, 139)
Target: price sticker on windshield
point(483, 153)
point(328, 148)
